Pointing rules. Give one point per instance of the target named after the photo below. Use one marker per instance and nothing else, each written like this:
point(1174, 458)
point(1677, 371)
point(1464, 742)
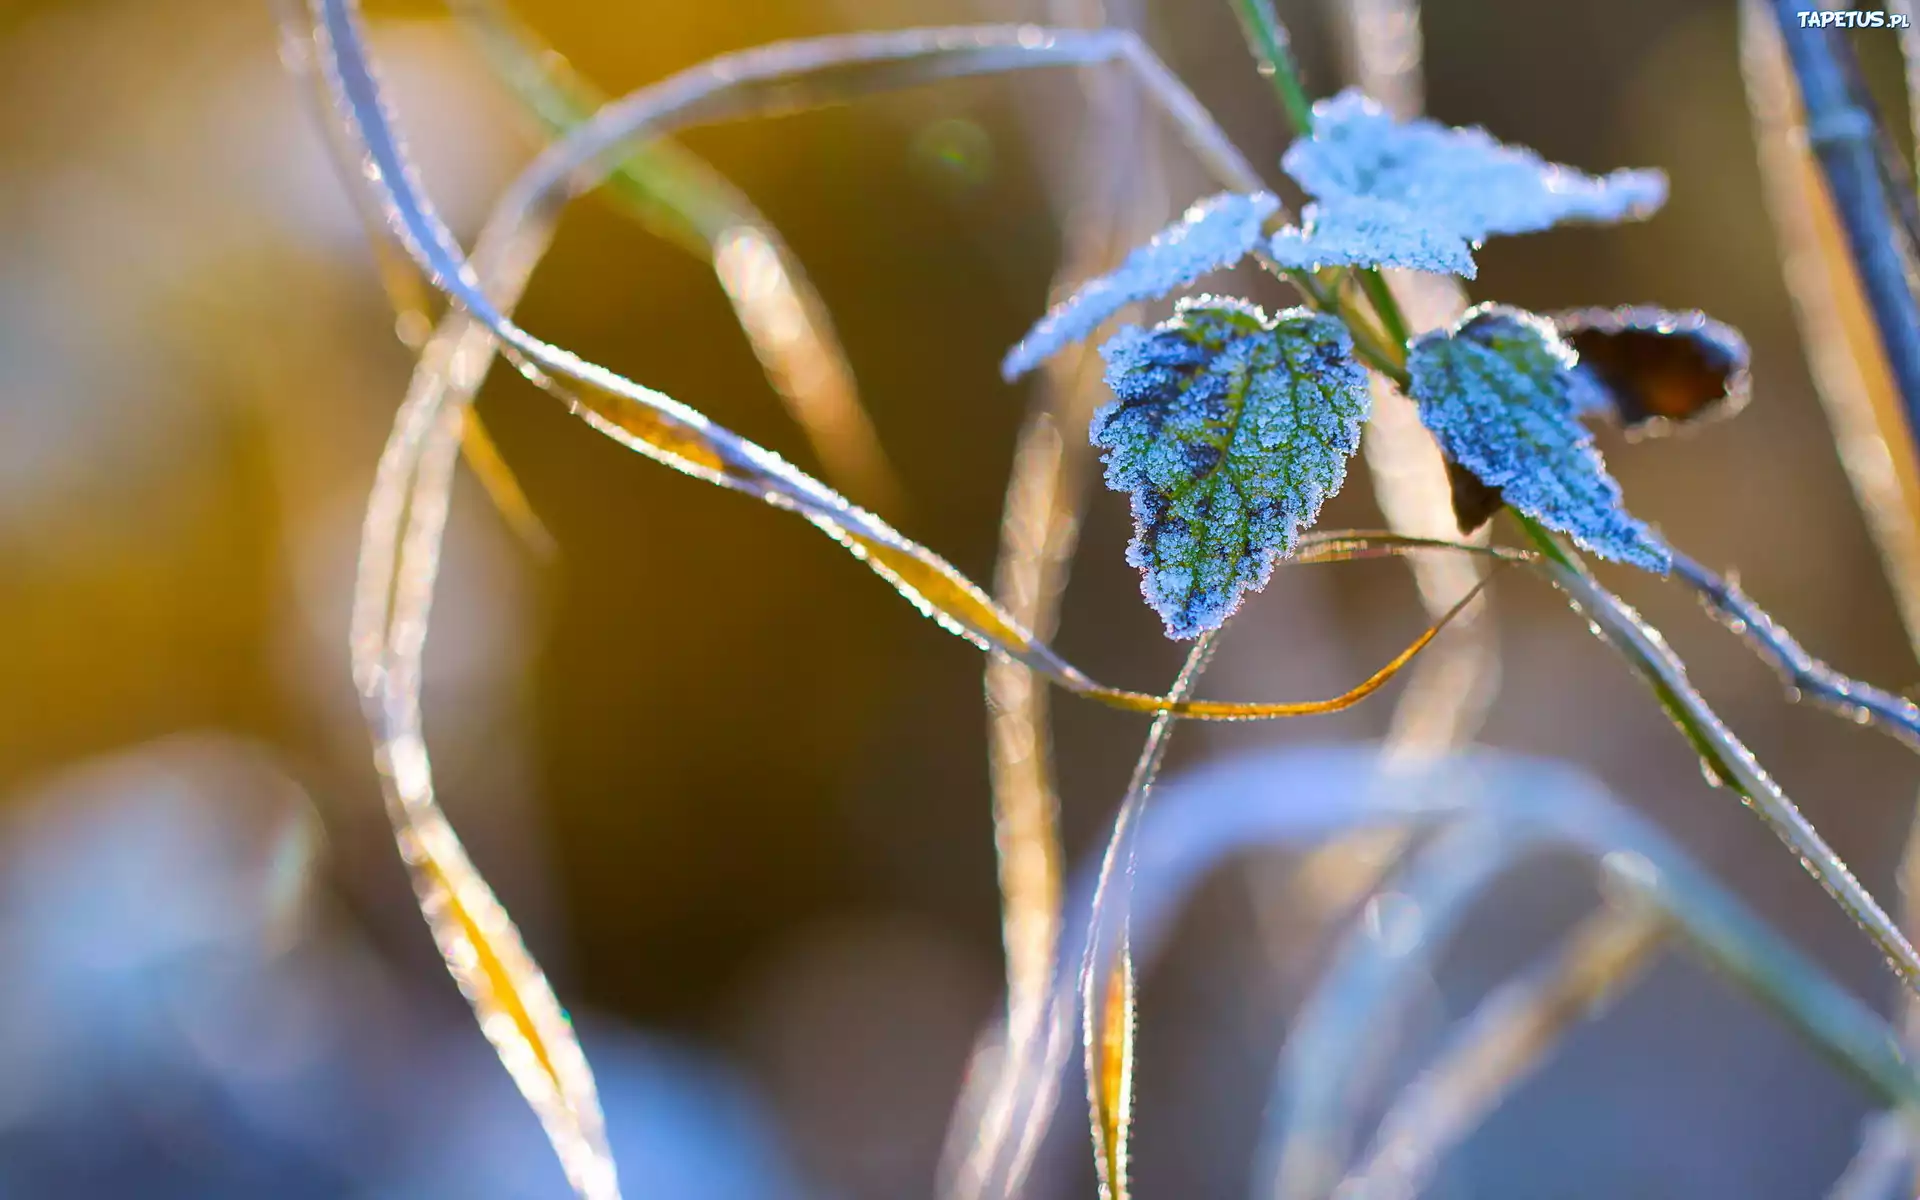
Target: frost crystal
point(1230, 430)
point(1501, 394)
point(1390, 192)
point(1213, 235)
point(1358, 231)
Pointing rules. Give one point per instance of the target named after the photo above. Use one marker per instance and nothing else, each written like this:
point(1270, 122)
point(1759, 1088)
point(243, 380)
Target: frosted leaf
point(1213, 235)
point(1360, 231)
point(1369, 171)
point(1501, 395)
point(1230, 429)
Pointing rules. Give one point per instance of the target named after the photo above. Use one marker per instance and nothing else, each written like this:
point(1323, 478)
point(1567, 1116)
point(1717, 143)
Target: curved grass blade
point(407, 292)
point(496, 478)
point(1106, 969)
point(679, 197)
point(1506, 1038)
point(668, 431)
point(399, 560)
point(1021, 1094)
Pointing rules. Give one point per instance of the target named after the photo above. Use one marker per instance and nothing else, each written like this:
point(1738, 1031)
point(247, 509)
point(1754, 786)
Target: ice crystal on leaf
point(1389, 192)
point(1501, 394)
point(1213, 235)
point(1230, 429)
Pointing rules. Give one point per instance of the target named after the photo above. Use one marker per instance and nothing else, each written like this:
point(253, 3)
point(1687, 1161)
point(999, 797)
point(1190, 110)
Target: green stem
point(1267, 38)
point(1374, 284)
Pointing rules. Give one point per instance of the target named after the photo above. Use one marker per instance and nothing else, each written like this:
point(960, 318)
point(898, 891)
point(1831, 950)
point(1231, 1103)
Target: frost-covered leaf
point(1501, 394)
point(1358, 231)
point(1230, 429)
point(1391, 191)
point(1654, 369)
point(1212, 235)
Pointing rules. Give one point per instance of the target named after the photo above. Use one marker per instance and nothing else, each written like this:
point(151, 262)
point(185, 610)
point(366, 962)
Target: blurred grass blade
point(496, 478)
point(1339, 1038)
point(679, 197)
point(1298, 796)
point(1846, 143)
point(1849, 368)
point(668, 431)
point(1357, 998)
point(1106, 968)
point(1106, 201)
point(1883, 1168)
point(1382, 51)
point(399, 562)
point(1507, 1037)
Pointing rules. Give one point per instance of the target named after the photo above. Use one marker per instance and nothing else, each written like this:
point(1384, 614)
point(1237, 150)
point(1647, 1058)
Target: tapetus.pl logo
point(1852, 19)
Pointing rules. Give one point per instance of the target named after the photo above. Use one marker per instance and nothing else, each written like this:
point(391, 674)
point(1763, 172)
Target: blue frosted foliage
point(1419, 194)
point(1229, 429)
point(1501, 394)
point(1213, 235)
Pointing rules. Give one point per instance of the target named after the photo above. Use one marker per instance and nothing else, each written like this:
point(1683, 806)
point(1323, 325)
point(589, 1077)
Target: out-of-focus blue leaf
point(1230, 429)
point(1501, 394)
point(1360, 231)
point(1212, 235)
point(1400, 193)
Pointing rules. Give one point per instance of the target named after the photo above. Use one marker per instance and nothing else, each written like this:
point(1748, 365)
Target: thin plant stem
point(1374, 284)
point(1267, 38)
